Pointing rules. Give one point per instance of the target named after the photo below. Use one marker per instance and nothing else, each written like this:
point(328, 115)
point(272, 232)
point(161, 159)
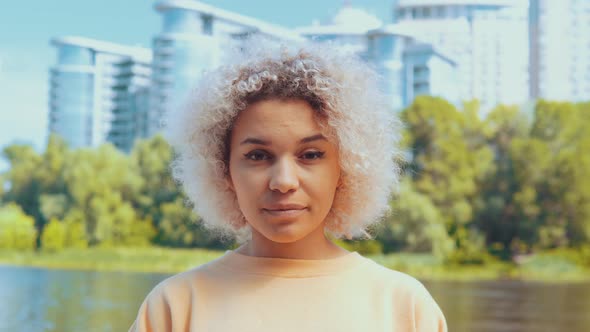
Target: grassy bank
point(547, 267)
point(151, 259)
point(543, 267)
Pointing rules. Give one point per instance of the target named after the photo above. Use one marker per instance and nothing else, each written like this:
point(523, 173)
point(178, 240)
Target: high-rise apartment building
point(348, 27)
point(407, 66)
point(429, 71)
point(103, 92)
point(99, 92)
point(560, 49)
point(192, 39)
point(488, 39)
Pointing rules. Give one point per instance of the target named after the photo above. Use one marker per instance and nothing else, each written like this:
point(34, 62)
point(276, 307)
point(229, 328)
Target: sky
point(27, 26)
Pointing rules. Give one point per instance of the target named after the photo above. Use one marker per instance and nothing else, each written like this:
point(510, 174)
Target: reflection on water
point(53, 300)
point(511, 306)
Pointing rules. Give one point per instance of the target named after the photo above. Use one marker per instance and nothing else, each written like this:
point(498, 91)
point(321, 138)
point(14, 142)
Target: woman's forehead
point(269, 115)
point(272, 120)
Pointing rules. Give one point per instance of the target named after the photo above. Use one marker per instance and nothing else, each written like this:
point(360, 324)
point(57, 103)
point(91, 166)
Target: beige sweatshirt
point(236, 292)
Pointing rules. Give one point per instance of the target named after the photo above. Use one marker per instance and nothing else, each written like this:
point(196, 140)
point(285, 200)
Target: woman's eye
point(257, 155)
point(312, 155)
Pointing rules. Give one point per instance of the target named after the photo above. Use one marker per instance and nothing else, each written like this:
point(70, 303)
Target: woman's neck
point(307, 248)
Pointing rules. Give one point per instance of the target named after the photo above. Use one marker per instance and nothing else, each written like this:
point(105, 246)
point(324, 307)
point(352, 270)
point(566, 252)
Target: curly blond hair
point(340, 87)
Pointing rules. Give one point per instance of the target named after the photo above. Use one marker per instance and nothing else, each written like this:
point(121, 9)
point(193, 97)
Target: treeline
point(512, 182)
point(95, 197)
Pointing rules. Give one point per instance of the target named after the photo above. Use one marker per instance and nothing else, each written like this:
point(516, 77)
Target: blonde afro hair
point(338, 85)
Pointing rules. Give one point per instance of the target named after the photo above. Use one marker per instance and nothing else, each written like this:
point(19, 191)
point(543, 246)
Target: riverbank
point(546, 267)
point(150, 259)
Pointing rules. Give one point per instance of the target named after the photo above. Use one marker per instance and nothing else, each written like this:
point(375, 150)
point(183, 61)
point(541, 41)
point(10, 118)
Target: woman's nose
point(284, 177)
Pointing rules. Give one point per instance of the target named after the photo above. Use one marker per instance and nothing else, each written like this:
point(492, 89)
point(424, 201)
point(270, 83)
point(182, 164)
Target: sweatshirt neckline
point(289, 267)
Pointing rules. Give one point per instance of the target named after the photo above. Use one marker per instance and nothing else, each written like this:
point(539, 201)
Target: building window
point(182, 21)
point(420, 88)
point(75, 55)
point(401, 13)
point(419, 70)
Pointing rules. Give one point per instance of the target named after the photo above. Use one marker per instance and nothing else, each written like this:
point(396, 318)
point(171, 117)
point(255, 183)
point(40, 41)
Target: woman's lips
point(285, 212)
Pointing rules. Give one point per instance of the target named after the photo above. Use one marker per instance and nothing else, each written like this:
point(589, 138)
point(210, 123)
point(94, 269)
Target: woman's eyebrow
point(258, 141)
point(313, 138)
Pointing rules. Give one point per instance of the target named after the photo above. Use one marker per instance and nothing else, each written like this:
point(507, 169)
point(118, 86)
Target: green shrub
point(53, 237)
point(17, 230)
point(470, 249)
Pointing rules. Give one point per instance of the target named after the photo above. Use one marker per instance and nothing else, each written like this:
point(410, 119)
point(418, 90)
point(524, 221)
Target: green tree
point(75, 236)
point(449, 157)
point(32, 177)
point(532, 163)
point(151, 159)
point(181, 227)
point(161, 199)
point(17, 230)
point(54, 236)
point(539, 196)
point(471, 247)
point(54, 205)
point(497, 212)
point(414, 225)
point(564, 193)
point(24, 188)
point(102, 184)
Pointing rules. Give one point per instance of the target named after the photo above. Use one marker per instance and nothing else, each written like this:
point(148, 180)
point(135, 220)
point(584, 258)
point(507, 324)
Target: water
point(514, 306)
point(53, 300)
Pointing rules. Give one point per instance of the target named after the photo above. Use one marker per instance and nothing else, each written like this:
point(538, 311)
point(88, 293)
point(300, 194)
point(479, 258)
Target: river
point(34, 299)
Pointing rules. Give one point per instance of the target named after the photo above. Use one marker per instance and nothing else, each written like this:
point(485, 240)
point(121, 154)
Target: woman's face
point(283, 170)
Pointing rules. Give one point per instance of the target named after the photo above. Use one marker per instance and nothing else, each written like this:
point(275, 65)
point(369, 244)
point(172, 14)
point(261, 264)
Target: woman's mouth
point(285, 212)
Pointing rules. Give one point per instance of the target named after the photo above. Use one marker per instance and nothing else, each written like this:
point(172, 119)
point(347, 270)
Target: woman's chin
point(285, 234)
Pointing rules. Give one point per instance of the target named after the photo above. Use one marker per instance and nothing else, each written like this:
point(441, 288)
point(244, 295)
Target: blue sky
point(28, 25)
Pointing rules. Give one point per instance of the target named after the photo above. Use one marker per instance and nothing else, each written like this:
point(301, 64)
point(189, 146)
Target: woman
point(277, 149)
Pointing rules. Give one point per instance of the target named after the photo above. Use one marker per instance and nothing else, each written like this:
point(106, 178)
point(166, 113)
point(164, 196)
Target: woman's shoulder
point(401, 290)
point(171, 297)
point(190, 279)
point(386, 277)
point(396, 284)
